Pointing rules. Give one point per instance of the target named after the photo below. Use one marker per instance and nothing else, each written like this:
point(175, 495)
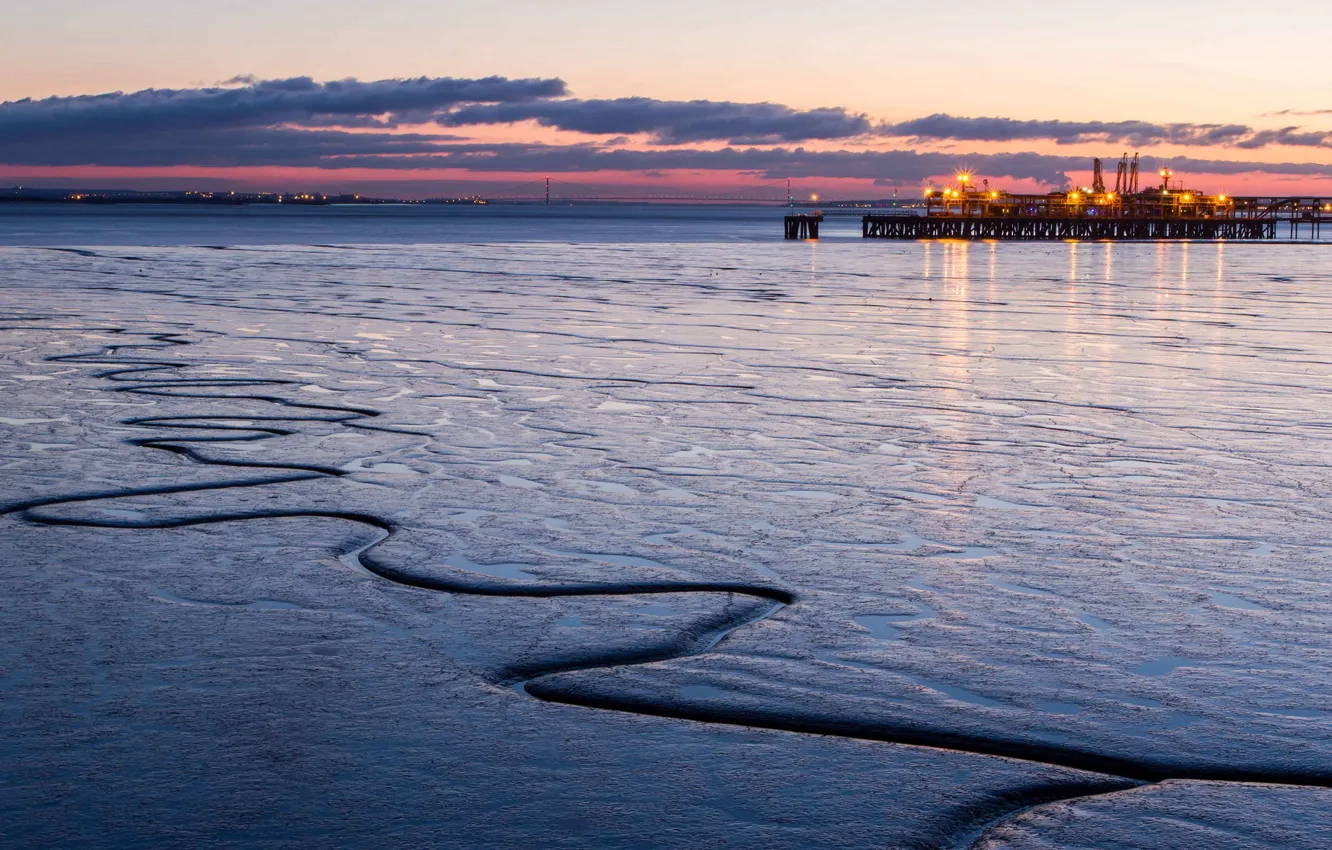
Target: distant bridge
point(548, 191)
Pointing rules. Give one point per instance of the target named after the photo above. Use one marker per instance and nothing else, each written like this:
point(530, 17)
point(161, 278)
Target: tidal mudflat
point(664, 545)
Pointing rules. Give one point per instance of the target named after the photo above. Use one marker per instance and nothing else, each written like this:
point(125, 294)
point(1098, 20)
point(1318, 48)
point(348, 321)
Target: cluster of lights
point(965, 178)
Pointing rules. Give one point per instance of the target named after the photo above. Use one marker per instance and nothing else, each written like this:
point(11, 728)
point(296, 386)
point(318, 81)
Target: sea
point(642, 526)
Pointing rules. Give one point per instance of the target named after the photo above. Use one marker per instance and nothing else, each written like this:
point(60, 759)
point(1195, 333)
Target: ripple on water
point(462, 562)
point(1001, 505)
point(1229, 600)
point(884, 626)
point(959, 694)
point(257, 605)
point(808, 494)
point(656, 610)
point(1164, 665)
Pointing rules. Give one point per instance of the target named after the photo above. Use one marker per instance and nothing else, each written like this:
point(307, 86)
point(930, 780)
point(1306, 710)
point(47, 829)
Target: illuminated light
point(1075, 196)
point(1187, 199)
point(929, 193)
point(994, 194)
point(813, 197)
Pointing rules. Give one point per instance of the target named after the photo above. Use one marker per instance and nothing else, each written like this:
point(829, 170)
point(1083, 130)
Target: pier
point(1168, 211)
point(803, 226)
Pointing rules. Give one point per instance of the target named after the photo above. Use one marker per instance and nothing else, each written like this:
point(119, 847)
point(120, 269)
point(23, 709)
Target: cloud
point(674, 122)
point(1136, 133)
point(1290, 136)
point(297, 101)
point(179, 124)
point(346, 124)
point(222, 148)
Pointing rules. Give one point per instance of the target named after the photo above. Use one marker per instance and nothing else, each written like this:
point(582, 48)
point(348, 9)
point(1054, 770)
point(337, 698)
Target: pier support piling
point(803, 226)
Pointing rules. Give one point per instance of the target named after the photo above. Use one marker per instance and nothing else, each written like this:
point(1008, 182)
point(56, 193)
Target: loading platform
point(1167, 211)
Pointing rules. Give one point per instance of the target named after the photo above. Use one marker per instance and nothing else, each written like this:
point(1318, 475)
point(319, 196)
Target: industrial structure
point(1165, 211)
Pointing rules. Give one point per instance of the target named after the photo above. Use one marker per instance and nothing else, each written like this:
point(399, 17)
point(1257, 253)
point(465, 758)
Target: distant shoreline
point(118, 197)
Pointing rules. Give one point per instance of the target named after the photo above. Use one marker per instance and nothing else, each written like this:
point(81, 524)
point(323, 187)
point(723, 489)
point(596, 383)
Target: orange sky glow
point(1196, 63)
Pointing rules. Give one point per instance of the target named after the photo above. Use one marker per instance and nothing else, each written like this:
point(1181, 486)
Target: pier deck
point(1057, 228)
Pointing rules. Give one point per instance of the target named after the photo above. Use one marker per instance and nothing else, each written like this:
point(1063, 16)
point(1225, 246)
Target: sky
point(844, 97)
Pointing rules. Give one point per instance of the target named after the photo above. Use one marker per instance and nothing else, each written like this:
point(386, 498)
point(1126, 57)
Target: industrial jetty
point(1166, 211)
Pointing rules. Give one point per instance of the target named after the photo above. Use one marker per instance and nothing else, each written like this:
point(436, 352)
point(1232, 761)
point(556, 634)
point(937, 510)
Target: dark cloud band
point(269, 103)
point(1136, 133)
point(676, 122)
point(352, 124)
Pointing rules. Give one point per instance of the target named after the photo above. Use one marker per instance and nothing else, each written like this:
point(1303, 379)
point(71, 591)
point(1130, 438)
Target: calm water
point(266, 225)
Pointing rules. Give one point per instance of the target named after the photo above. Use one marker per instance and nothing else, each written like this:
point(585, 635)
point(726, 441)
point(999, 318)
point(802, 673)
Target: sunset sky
point(849, 98)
